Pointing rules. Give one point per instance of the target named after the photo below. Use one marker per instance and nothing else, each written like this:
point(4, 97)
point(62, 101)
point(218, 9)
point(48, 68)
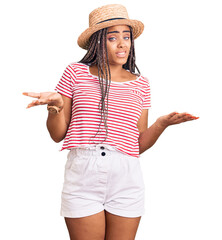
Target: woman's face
point(118, 44)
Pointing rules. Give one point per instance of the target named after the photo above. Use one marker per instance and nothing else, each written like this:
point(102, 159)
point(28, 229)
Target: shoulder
point(76, 68)
point(144, 80)
point(133, 76)
point(127, 75)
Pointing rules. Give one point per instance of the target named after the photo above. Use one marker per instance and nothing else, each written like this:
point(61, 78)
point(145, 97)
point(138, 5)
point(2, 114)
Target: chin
point(120, 62)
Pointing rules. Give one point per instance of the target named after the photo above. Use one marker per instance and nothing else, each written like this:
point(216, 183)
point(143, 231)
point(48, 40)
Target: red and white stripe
point(125, 104)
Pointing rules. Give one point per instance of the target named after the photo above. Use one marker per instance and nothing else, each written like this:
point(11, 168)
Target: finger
point(39, 102)
point(33, 103)
point(31, 94)
point(186, 118)
point(182, 116)
point(191, 117)
point(44, 101)
point(172, 114)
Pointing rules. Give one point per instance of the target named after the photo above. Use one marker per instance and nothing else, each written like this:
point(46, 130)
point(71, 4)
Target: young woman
point(100, 109)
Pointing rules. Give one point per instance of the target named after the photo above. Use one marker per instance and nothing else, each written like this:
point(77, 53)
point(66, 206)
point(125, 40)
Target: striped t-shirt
point(125, 103)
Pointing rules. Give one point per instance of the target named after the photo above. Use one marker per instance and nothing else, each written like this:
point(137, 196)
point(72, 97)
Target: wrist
point(161, 124)
point(54, 109)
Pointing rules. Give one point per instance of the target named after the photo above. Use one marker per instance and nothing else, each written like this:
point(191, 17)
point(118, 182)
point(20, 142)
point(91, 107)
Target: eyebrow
point(118, 31)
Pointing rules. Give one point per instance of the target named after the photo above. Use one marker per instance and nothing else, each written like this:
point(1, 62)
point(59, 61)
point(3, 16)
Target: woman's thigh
point(85, 228)
point(120, 228)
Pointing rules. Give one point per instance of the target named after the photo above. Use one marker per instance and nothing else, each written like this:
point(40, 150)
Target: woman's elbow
point(57, 139)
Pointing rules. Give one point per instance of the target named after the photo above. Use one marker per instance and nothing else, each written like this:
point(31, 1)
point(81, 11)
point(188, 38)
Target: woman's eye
point(112, 39)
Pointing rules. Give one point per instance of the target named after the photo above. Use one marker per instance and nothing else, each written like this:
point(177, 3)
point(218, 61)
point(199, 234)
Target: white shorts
point(100, 177)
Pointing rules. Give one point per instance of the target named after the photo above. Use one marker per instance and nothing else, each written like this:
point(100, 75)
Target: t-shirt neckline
point(113, 82)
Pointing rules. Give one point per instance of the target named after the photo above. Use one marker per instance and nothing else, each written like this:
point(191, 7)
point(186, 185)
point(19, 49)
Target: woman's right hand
point(50, 98)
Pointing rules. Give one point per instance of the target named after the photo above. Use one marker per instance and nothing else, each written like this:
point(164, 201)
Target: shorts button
point(102, 148)
point(103, 153)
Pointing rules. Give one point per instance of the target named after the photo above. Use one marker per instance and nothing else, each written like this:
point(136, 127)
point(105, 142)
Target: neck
point(115, 70)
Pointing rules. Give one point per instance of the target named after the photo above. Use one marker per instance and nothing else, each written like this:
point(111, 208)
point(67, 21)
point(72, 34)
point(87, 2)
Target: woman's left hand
point(174, 118)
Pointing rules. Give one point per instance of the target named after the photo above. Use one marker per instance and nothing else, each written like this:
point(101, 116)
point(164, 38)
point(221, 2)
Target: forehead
point(119, 28)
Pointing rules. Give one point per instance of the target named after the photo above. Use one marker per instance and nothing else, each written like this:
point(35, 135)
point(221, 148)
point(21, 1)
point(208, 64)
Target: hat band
point(110, 20)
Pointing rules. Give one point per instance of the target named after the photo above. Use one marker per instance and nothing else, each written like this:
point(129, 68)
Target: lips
point(121, 54)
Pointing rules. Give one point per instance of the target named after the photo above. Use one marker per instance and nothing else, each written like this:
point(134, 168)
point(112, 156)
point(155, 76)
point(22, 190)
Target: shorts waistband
point(99, 146)
point(99, 150)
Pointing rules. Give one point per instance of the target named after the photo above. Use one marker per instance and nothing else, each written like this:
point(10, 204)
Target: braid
point(103, 73)
point(97, 54)
point(131, 61)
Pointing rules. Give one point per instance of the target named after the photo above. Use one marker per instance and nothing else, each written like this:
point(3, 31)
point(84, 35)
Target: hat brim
point(137, 27)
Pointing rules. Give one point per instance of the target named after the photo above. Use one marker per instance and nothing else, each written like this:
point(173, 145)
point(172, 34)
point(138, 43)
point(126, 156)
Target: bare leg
point(121, 228)
point(85, 228)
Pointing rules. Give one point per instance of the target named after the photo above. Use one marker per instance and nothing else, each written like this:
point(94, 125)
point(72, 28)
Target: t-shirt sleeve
point(146, 95)
point(67, 82)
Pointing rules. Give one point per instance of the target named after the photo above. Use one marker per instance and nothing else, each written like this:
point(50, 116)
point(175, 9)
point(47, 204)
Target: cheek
point(111, 49)
point(128, 45)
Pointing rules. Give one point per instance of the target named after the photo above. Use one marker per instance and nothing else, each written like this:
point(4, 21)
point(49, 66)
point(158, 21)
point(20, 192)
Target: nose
point(121, 43)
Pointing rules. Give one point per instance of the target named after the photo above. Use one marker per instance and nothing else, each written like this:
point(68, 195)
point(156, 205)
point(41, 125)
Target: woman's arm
point(151, 134)
point(57, 123)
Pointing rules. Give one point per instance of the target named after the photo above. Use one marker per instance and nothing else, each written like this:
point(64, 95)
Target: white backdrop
point(180, 53)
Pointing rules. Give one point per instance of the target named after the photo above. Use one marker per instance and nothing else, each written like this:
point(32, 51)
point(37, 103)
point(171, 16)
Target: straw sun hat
point(108, 16)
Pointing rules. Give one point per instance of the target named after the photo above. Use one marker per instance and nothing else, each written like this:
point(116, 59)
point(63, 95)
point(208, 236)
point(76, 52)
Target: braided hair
point(97, 54)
